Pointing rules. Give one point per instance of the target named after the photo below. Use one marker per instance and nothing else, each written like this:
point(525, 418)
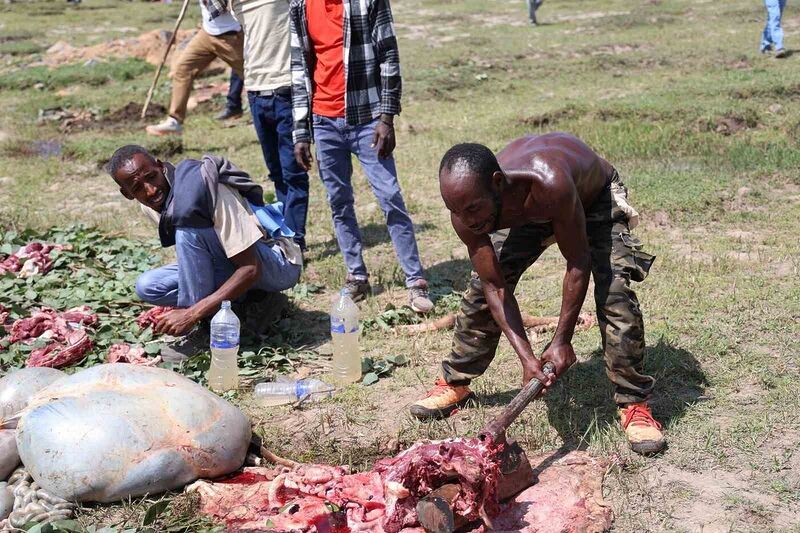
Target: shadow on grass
point(452, 274)
point(372, 234)
point(296, 328)
point(582, 399)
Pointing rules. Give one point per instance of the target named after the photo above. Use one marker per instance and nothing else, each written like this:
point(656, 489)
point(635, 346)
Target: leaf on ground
point(154, 511)
point(370, 379)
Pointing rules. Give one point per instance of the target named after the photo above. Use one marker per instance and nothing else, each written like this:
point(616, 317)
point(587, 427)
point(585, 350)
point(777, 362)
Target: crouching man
point(507, 210)
point(214, 215)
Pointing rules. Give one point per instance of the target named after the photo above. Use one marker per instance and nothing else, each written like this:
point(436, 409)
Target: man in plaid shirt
point(346, 79)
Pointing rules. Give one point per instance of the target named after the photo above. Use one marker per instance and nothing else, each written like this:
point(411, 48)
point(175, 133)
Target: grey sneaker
point(780, 53)
point(357, 289)
point(197, 341)
point(170, 126)
point(419, 299)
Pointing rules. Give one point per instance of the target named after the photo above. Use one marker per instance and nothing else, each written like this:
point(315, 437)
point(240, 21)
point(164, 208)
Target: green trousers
point(617, 259)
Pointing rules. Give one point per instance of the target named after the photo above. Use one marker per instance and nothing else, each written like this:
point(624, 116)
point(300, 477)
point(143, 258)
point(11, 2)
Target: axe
point(435, 510)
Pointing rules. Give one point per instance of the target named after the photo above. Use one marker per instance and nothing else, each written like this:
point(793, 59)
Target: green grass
point(703, 130)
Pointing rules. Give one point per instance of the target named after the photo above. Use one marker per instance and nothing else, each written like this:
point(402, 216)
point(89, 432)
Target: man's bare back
point(535, 163)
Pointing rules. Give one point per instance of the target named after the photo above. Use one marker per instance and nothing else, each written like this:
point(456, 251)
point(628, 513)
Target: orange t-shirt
point(325, 18)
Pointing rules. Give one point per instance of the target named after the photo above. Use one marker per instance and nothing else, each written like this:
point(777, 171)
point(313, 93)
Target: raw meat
point(9, 458)
point(69, 342)
point(33, 258)
point(58, 354)
point(151, 317)
point(48, 321)
point(135, 355)
point(567, 497)
point(321, 498)
point(117, 430)
point(18, 387)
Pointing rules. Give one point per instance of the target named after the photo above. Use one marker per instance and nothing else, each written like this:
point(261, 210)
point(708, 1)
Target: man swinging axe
point(507, 210)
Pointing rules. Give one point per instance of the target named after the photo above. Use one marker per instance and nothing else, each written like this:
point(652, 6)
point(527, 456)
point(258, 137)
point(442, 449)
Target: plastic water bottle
point(283, 392)
point(223, 374)
point(344, 333)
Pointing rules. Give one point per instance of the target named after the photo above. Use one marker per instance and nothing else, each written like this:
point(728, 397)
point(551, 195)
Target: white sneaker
point(170, 126)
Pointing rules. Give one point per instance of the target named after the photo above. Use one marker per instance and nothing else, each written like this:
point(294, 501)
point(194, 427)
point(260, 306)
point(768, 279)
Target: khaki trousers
point(198, 54)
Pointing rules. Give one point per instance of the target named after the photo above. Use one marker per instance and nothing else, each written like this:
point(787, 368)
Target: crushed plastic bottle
point(283, 392)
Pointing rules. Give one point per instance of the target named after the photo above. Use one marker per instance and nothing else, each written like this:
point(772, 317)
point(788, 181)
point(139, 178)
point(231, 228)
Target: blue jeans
point(533, 5)
point(272, 118)
point(773, 33)
point(234, 98)
point(203, 267)
point(336, 142)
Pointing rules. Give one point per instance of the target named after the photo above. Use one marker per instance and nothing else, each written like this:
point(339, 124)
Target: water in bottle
point(283, 392)
point(344, 333)
point(223, 374)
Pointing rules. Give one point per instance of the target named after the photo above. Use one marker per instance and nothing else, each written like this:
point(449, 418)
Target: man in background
point(772, 36)
point(267, 79)
point(219, 37)
point(346, 75)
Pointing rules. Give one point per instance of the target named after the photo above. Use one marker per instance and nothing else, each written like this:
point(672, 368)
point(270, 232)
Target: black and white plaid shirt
point(371, 67)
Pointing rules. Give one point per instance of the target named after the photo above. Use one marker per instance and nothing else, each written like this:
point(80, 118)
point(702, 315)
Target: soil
point(148, 46)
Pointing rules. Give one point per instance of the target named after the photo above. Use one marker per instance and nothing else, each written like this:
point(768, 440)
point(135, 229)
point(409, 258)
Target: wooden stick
point(164, 59)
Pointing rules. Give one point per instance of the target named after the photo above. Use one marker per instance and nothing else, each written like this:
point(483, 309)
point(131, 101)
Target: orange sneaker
point(441, 401)
point(643, 431)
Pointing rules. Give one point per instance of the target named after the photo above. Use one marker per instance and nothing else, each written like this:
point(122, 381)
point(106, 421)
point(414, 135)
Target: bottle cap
point(226, 304)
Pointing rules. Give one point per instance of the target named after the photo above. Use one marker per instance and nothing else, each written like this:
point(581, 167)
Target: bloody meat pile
point(67, 339)
point(151, 317)
point(33, 258)
point(318, 498)
point(135, 355)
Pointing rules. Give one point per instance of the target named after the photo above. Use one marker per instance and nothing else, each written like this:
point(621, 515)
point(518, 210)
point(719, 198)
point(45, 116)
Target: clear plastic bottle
point(344, 334)
point(283, 392)
point(223, 374)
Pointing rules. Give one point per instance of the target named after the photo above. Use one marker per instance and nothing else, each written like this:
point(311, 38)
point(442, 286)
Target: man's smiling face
point(143, 179)
point(469, 200)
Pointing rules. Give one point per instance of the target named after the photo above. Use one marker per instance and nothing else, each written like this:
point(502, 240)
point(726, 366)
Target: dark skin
point(143, 179)
point(547, 178)
point(383, 141)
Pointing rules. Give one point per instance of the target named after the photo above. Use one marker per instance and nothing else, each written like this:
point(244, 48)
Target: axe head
point(516, 472)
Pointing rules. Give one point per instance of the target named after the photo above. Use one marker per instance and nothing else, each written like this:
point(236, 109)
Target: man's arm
point(502, 303)
point(569, 227)
point(301, 101)
point(248, 269)
point(388, 56)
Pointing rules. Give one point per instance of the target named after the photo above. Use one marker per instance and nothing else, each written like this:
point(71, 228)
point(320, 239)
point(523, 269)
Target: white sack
point(119, 430)
point(18, 387)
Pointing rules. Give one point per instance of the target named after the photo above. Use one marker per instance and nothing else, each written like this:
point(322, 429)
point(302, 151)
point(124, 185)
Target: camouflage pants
point(617, 259)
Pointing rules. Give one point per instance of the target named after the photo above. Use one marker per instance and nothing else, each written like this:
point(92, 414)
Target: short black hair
point(477, 159)
point(123, 155)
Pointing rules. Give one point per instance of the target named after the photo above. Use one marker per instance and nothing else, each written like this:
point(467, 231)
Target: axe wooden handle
point(497, 427)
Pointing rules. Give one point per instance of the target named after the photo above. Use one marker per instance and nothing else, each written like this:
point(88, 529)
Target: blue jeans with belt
point(336, 143)
point(203, 267)
point(272, 118)
point(773, 32)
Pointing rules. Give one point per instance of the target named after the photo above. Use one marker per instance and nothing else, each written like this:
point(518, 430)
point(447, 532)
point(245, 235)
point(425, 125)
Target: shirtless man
point(507, 210)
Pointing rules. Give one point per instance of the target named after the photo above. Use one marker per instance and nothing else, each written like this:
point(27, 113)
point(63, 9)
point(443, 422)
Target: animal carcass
point(119, 430)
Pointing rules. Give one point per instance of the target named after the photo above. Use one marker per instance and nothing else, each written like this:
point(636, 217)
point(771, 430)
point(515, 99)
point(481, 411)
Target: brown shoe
point(441, 401)
point(643, 431)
